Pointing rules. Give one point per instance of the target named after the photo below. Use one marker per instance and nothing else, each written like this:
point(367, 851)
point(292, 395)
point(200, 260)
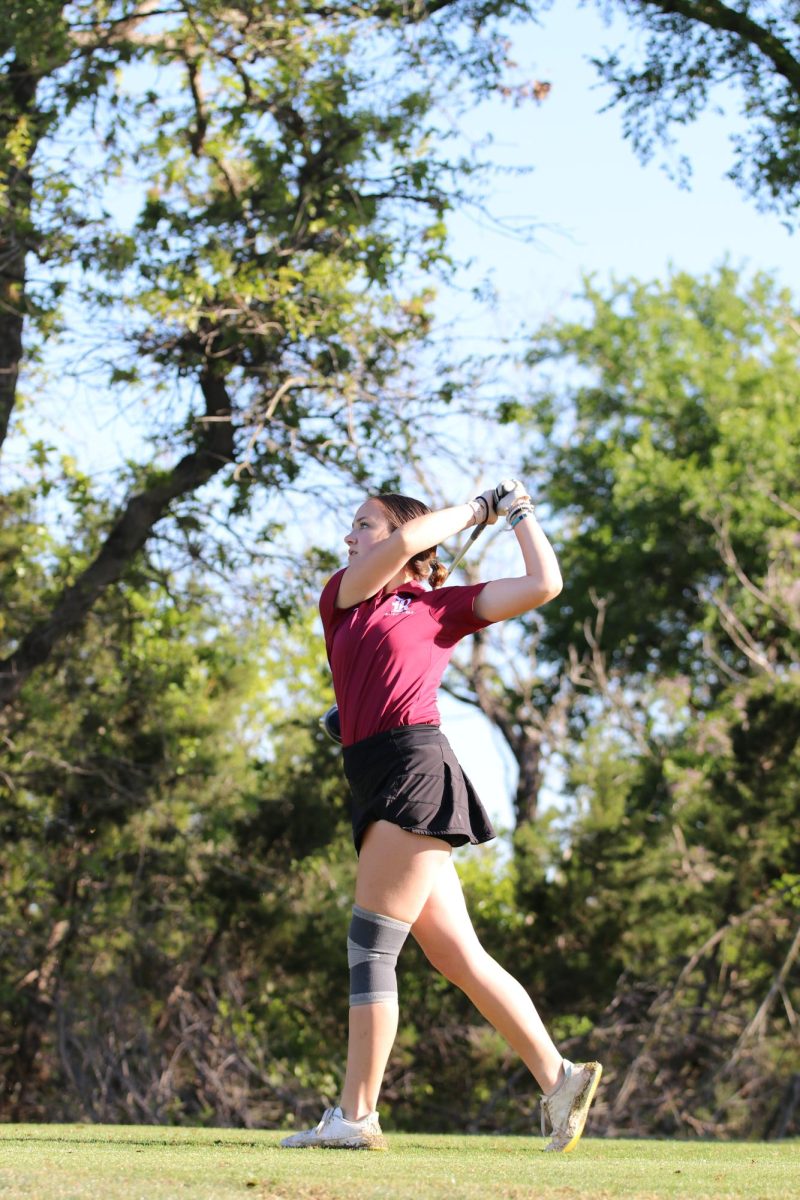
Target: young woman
point(389, 637)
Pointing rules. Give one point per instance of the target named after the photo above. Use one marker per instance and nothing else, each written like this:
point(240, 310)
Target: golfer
point(390, 630)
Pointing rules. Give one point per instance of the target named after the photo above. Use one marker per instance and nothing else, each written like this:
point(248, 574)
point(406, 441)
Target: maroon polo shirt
point(388, 653)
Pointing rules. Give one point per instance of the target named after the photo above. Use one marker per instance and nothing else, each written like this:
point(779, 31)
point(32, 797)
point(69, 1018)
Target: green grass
point(79, 1162)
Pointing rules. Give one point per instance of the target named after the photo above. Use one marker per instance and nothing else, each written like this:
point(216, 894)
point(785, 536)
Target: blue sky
point(598, 209)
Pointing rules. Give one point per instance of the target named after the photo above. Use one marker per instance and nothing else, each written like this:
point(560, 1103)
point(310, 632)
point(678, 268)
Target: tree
point(157, 795)
point(672, 900)
point(695, 52)
point(664, 433)
point(258, 295)
point(671, 460)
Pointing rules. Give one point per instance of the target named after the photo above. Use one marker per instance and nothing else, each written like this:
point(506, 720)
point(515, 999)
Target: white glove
point(484, 508)
point(508, 494)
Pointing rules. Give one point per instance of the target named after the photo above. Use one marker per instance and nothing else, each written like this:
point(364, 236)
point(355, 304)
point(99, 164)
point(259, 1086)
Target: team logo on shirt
point(400, 604)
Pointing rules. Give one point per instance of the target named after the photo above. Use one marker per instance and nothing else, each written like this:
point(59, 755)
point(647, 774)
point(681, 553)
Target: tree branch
point(662, 1007)
point(198, 134)
point(96, 33)
point(758, 1024)
point(717, 15)
point(124, 541)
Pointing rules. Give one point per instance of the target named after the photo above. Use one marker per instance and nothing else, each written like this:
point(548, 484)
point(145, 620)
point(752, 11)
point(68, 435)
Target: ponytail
point(438, 573)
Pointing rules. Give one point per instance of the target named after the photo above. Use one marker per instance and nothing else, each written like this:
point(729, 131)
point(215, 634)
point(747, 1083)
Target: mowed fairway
point(91, 1162)
point(146, 1163)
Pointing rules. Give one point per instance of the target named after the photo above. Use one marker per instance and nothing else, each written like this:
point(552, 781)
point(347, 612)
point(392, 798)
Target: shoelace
point(325, 1116)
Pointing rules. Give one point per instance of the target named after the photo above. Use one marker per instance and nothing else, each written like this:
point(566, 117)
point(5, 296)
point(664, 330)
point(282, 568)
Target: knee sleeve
point(373, 944)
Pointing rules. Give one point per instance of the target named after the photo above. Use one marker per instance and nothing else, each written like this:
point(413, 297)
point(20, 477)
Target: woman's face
point(370, 525)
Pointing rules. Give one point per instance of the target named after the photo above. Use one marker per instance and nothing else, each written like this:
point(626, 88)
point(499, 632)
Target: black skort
point(411, 777)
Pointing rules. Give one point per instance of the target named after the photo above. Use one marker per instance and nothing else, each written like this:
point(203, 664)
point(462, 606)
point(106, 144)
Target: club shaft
point(473, 536)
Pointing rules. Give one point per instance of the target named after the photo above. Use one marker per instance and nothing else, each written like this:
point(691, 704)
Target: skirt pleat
point(411, 777)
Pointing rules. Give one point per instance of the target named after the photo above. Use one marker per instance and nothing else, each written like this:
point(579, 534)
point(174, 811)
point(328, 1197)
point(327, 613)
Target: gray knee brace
point(373, 944)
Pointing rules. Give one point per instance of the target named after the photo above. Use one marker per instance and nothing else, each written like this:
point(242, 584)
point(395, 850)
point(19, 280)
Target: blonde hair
point(399, 509)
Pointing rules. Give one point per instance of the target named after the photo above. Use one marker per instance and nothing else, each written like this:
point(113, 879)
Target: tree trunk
point(527, 750)
point(523, 739)
point(40, 987)
point(17, 96)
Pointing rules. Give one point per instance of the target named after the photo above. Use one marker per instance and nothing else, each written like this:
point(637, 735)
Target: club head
point(331, 724)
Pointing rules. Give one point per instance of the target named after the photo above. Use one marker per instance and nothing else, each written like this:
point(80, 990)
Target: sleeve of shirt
point(453, 609)
point(327, 602)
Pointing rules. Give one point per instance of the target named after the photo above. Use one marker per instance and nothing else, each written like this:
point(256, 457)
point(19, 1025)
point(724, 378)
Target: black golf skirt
point(411, 777)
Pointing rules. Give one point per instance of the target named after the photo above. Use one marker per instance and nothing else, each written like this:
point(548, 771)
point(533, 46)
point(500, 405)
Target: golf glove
point(508, 494)
point(485, 503)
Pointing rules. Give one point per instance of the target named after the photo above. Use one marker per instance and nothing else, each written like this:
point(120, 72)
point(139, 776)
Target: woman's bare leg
point(444, 931)
point(396, 874)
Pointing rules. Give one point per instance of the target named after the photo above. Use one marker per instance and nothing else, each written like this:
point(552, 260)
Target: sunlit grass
point(79, 1162)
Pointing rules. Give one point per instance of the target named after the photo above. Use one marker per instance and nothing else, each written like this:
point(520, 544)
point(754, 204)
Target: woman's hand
point(494, 500)
point(513, 492)
point(504, 598)
point(483, 507)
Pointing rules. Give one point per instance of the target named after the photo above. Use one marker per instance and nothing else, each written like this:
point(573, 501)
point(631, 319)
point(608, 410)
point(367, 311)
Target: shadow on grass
point(120, 1140)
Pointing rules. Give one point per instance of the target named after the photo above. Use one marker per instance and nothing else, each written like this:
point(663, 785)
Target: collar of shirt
point(412, 588)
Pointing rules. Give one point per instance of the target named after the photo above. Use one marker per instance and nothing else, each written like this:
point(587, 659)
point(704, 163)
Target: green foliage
point(665, 434)
point(162, 792)
point(237, 214)
point(277, 200)
point(689, 55)
point(176, 864)
point(673, 455)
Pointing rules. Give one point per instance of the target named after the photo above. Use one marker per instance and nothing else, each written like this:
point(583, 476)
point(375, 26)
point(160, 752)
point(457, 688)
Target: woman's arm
point(504, 598)
point(368, 574)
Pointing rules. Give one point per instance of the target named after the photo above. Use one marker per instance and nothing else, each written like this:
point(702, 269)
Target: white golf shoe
point(335, 1132)
point(567, 1108)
